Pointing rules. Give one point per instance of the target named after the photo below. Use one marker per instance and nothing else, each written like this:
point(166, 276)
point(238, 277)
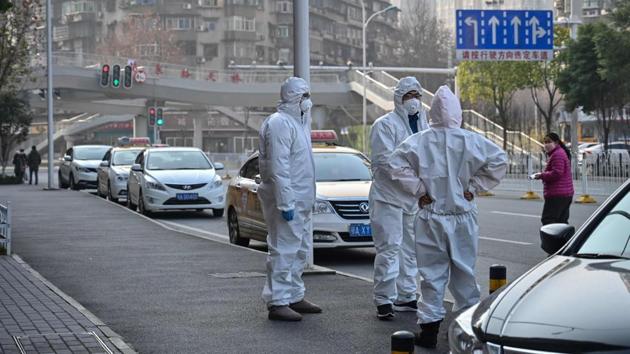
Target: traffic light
point(151, 116)
point(159, 120)
point(116, 76)
point(105, 76)
point(128, 77)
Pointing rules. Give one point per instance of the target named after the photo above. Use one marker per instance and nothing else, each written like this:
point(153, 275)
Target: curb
point(114, 338)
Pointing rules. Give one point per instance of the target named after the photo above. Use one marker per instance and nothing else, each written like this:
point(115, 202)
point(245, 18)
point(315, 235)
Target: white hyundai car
point(175, 178)
point(79, 165)
point(112, 175)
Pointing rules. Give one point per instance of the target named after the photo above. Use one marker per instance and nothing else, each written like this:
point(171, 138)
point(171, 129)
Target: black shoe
point(305, 306)
point(283, 313)
point(411, 306)
point(428, 335)
point(385, 312)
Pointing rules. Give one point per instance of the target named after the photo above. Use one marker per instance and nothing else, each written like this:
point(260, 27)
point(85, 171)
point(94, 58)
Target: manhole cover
point(87, 342)
point(238, 275)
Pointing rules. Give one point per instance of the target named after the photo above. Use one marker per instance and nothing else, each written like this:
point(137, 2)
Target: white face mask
point(412, 106)
point(306, 105)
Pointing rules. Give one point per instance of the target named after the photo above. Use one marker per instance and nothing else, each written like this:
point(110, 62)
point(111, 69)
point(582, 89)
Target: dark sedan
point(577, 300)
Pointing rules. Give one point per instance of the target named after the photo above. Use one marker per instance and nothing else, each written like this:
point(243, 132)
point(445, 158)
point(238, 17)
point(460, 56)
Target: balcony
point(240, 36)
point(61, 33)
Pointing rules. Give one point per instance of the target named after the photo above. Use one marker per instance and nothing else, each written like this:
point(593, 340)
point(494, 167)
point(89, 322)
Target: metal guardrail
point(158, 70)
point(5, 227)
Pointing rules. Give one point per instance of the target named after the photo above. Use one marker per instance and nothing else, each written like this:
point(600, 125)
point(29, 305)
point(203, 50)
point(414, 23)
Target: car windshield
point(90, 153)
point(331, 167)
point(177, 160)
point(126, 157)
point(612, 236)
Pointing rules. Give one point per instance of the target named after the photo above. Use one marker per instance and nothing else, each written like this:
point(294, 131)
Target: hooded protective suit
point(395, 267)
point(444, 162)
point(287, 171)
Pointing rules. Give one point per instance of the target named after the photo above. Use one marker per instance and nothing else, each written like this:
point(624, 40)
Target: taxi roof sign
point(134, 141)
point(323, 136)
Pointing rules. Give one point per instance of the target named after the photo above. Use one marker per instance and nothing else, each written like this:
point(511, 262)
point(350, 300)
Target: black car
point(576, 301)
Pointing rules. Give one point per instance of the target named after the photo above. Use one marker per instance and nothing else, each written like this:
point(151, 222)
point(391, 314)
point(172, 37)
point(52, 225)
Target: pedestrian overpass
point(77, 75)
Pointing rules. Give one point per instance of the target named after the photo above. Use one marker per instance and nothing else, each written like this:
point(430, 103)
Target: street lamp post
point(364, 26)
point(51, 127)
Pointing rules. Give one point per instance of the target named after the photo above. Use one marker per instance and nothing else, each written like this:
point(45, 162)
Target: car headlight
point(152, 184)
point(83, 169)
point(461, 338)
point(218, 182)
point(122, 178)
point(322, 207)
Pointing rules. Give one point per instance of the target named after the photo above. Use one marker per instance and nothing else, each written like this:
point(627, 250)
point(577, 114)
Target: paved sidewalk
point(35, 317)
point(168, 292)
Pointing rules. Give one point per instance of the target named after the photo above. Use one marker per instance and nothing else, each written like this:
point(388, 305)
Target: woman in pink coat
point(557, 181)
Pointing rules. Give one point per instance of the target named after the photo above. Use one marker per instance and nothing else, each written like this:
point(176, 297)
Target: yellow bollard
point(585, 198)
point(402, 342)
point(531, 195)
point(485, 194)
point(498, 277)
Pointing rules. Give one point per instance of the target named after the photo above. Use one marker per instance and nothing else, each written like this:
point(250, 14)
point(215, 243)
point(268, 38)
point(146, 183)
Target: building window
point(354, 13)
point(147, 50)
point(188, 47)
point(178, 23)
point(242, 24)
point(209, 3)
point(285, 7)
point(210, 25)
point(283, 31)
point(75, 7)
point(210, 51)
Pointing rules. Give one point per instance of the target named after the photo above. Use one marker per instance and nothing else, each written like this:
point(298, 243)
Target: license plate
point(187, 196)
point(360, 230)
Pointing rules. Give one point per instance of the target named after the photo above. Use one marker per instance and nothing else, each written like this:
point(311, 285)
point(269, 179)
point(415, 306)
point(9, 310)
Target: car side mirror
point(136, 167)
point(257, 179)
point(219, 166)
point(67, 158)
point(104, 163)
point(554, 236)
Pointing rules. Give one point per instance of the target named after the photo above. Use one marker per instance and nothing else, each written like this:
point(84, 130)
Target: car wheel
point(109, 194)
point(73, 185)
point(234, 230)
point(98, 188)
point(141, 207)
point(130, 204)
point(60, 181)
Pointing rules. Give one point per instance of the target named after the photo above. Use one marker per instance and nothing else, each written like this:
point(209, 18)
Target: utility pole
point(51, 126)
point(574, 22)
point(301, 54)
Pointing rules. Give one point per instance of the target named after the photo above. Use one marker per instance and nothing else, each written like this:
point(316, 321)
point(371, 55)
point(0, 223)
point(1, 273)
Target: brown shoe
point(283, 313)
point(305, 306)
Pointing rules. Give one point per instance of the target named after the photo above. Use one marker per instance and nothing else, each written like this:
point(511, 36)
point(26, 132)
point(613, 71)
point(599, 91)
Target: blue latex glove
point(288, 215)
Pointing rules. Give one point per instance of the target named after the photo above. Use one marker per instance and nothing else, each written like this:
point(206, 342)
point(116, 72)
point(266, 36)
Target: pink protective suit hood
point(446, 111)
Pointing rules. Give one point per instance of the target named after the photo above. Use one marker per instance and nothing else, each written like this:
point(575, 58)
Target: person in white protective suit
point(395, 268)
point(287, 195)
point(444, 165)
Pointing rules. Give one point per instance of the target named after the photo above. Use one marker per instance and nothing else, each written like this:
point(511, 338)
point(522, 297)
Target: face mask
point(549, 147)
point(412, 106)
point(306, 105)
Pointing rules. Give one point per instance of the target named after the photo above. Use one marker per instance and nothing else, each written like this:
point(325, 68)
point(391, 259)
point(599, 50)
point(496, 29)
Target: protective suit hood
point(446, 111)
point(290, 94)
point(404, 85)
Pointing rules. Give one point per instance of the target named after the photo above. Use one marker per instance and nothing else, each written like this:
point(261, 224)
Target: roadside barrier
point(403, 342)
point(585, 198)
point(498, 277)
point(5, 227)
point(530, 194)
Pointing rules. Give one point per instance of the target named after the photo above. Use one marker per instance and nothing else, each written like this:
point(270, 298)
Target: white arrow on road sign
point(537, 32)
point(516, 22)
point(494, 22)
point(472, 22)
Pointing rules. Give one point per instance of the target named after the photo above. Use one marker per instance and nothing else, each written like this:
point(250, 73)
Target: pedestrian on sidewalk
point(395, 267)
point(19, 164)
point(443, 166)
point(33, 160)
point(557, 181)
point(287, 195)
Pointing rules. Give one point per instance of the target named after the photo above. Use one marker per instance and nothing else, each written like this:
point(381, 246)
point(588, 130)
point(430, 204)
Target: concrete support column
point(140, 126)
point(198, 132)
point(319, 114)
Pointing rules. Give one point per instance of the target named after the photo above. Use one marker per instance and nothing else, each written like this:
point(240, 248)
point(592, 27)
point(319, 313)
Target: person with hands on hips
point(557, 181)
point(287, 195)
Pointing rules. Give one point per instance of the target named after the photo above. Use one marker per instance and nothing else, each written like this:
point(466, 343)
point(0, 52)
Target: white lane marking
point(516, 214)
point(506, 241)
point(213, 235)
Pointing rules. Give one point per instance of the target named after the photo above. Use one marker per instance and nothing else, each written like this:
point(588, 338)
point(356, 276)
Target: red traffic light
point(152, 111)
point(105, 68)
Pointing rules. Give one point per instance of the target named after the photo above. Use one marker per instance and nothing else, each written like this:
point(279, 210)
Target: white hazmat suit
point(287, 171)
point(444, 162)
point(395, 268)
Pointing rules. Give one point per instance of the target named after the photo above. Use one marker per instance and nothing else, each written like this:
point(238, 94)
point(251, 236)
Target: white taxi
point(112, 174)
point(341, 210)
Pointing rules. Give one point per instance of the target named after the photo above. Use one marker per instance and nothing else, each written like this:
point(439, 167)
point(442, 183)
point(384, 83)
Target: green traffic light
point(116, 82)
point(159, 122)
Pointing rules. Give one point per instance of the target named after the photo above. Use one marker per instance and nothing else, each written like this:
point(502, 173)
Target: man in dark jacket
point(34, 160)
point(19, 162)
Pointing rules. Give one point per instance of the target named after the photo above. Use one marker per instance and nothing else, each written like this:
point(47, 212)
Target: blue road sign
point(502, 35)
